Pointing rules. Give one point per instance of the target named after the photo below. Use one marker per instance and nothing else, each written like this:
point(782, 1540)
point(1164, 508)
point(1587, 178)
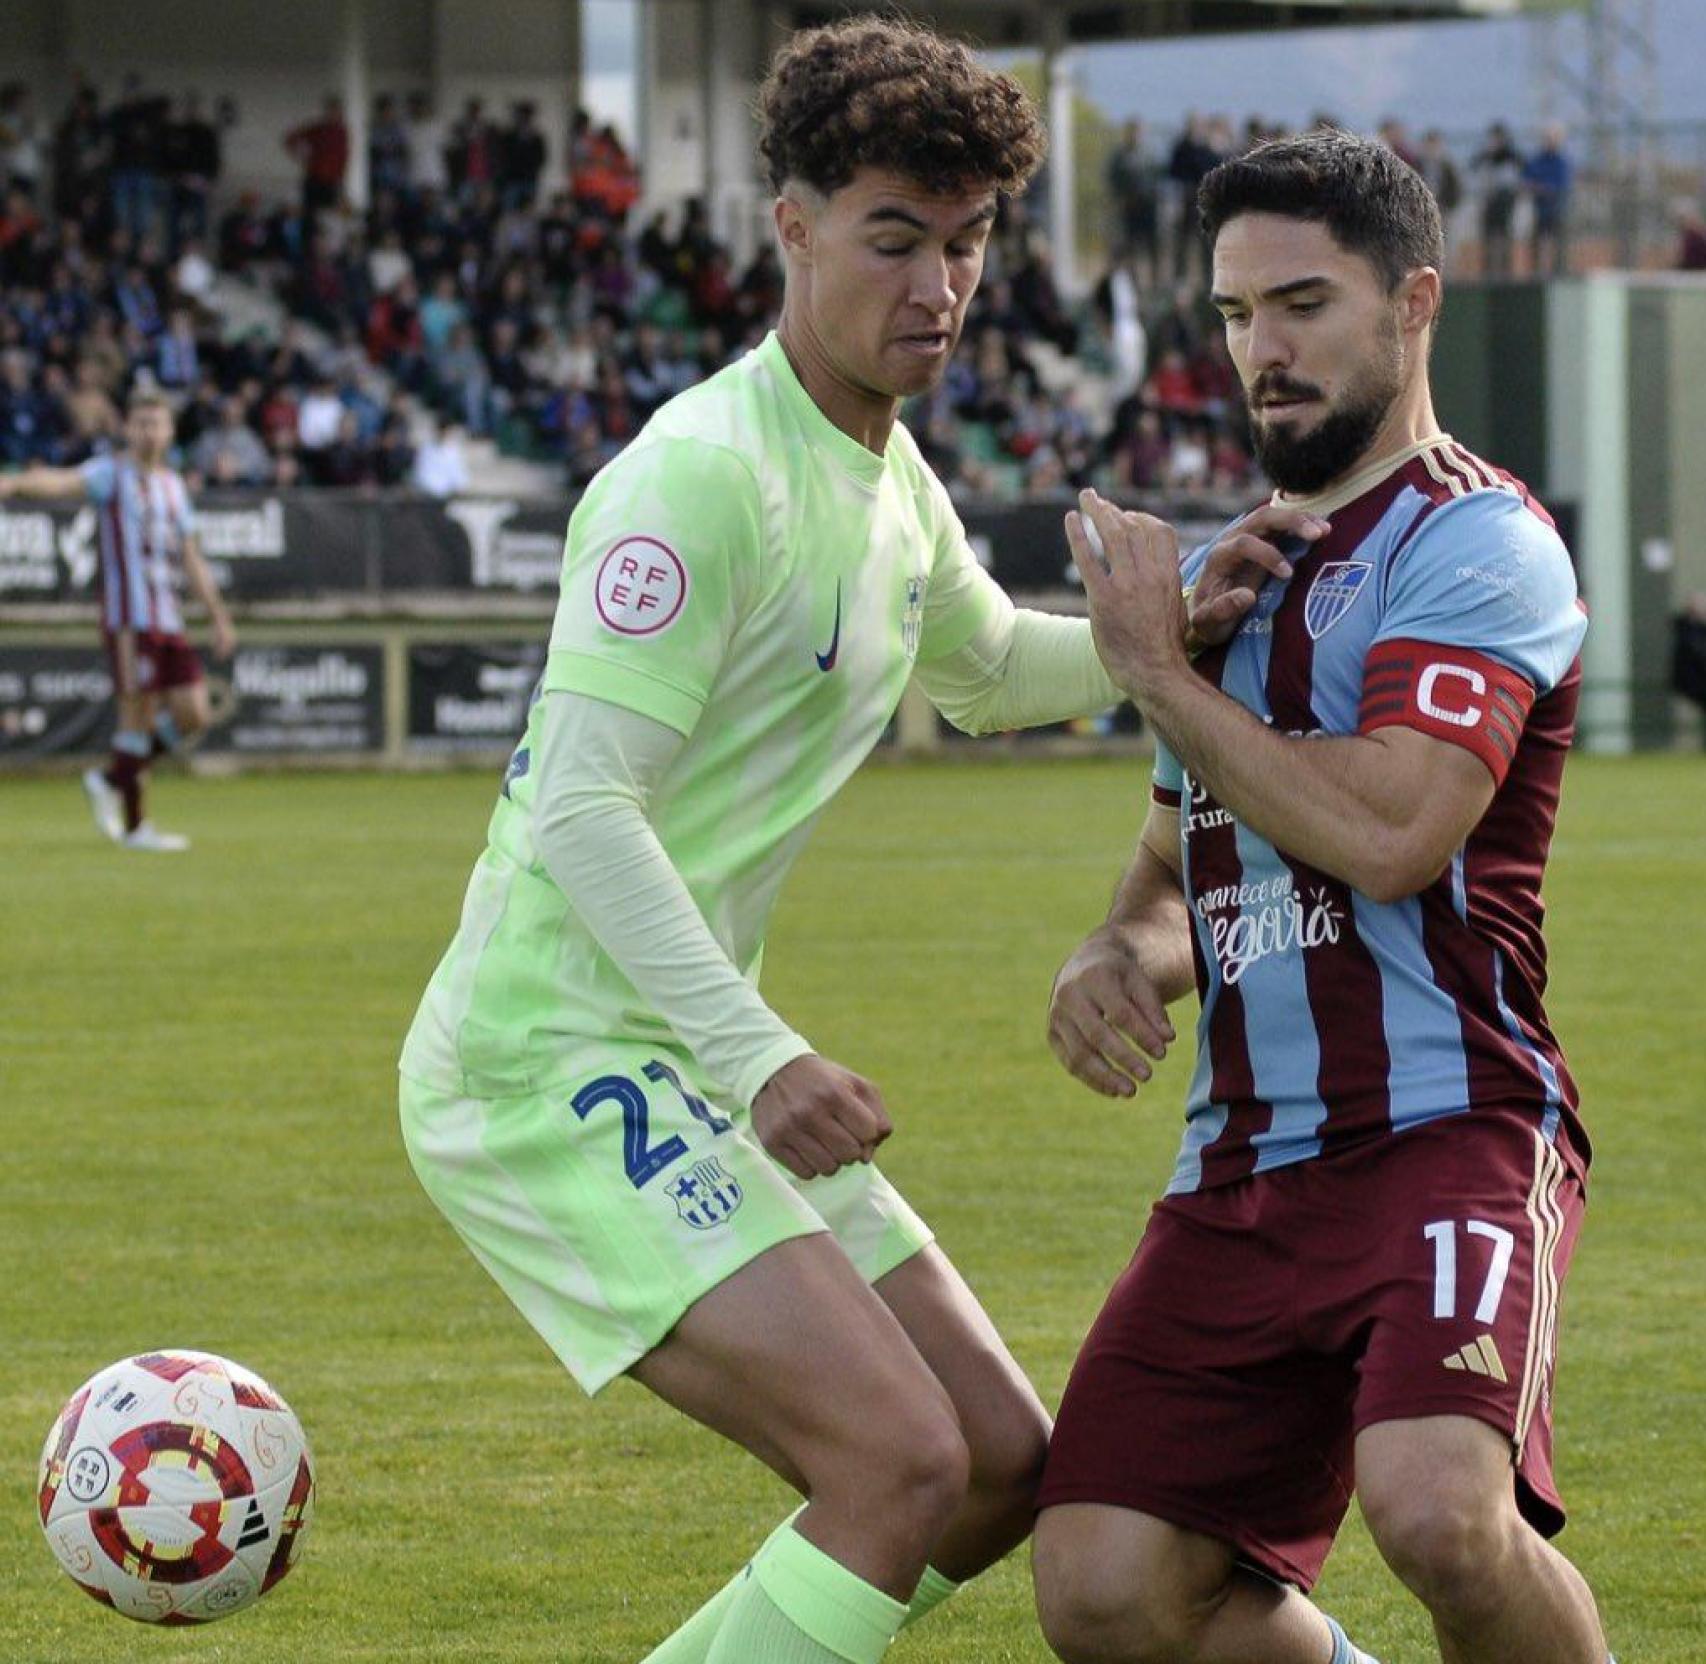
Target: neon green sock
point(932, 1590)
point(798, 1606)
point(691, 1644)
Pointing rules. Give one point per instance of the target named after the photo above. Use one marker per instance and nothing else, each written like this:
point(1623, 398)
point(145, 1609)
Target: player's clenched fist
point(815, 1117)
point(1106, 1014)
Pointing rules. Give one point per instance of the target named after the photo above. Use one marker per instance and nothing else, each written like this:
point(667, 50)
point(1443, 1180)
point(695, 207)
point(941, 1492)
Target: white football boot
point(105, 804)
point(149, 837)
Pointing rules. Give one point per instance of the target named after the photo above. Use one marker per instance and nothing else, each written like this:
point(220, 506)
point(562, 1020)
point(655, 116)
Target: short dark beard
point(1302, 464)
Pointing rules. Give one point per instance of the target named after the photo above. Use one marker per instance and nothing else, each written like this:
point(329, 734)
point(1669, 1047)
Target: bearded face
point(1303, 456)
point(1329, 351)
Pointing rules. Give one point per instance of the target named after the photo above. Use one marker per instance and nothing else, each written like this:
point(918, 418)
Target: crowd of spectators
point(475, 297)
point(1179, 422)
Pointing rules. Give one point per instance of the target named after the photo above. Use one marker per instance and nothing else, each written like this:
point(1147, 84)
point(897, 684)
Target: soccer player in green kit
point(663, 1176)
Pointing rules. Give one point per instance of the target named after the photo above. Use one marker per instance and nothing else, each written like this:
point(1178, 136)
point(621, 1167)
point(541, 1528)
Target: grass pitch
point(199, 1108)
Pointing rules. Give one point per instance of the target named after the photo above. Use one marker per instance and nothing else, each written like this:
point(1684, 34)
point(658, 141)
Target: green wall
point(1594, 392)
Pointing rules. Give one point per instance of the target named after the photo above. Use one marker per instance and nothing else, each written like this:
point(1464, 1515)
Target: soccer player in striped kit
point(147, 529)
point(1353, 1279)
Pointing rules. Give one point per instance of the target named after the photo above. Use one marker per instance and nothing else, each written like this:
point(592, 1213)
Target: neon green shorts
point(606, 1207)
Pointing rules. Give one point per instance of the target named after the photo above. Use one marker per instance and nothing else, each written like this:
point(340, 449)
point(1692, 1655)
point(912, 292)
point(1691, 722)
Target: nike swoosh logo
point(826, 661)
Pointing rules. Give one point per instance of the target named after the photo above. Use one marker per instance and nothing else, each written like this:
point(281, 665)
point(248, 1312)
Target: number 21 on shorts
point(643, 1159)
point(1442, 1233)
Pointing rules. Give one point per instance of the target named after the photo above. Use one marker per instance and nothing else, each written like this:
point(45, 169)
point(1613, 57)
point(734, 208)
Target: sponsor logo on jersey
point(641, 587)
point(706, 1195)
point(1333, 594)
point(1255, 920)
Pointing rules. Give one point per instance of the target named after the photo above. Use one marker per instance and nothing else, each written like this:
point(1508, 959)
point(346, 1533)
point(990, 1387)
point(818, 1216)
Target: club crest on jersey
point(641, 587)
point(1333, 594)
point(912, 619)
point(705, 1195)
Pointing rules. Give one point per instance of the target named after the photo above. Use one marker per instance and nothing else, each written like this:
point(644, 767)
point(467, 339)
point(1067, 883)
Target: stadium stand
point(479, 307)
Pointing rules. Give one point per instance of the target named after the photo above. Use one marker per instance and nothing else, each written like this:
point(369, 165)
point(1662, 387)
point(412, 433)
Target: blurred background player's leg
point(166, 721)
point(184, 717)
point(116, 792)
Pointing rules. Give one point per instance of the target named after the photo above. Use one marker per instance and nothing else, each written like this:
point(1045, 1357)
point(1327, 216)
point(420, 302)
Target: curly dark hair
point(1371, 200)
point(887, 93)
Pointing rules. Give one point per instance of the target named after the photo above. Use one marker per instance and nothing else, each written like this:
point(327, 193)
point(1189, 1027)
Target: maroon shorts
point(150, 661)
point(1262, 1325)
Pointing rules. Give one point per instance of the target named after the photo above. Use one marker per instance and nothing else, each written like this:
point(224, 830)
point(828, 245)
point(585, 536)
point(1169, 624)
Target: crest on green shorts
point(705, 1195)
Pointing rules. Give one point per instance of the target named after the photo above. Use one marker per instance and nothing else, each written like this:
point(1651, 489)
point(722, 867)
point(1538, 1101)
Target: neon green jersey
point(754, 578)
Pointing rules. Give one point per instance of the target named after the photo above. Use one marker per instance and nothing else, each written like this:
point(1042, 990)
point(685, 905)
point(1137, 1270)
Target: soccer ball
point(176, 1487)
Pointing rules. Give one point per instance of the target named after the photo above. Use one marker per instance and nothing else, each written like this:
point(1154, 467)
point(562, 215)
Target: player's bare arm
point(55, 484)
point(1108, 1009)
point(1382, 811)
point(202, 582)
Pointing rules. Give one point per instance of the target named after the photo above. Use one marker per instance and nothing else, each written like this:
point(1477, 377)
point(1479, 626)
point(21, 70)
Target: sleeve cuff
point(752, 1078)
point(568, 671)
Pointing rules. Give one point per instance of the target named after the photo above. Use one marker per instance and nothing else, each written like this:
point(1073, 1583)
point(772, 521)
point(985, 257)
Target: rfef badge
point(641, 587)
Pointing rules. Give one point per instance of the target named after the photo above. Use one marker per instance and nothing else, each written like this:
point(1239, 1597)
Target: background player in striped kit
point(147, 532)
point(1353, 1279)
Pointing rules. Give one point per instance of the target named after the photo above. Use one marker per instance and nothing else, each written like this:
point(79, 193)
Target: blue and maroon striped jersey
point(1442, 599)
point(144, 519)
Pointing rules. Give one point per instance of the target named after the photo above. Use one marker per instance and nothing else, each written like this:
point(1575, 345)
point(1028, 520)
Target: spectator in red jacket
point(321, 149)
point(1171, 386)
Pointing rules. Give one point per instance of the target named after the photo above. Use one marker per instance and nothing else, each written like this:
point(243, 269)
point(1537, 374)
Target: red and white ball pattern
point(176, 1487)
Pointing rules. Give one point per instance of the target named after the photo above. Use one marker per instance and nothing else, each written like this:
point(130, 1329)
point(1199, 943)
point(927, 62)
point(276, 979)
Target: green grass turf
point(200, 1150)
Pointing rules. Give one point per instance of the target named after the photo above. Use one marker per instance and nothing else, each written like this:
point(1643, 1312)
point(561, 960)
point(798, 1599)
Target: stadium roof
point(1016, 23)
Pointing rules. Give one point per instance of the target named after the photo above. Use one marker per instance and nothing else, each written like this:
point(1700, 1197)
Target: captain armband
point(1449, 693)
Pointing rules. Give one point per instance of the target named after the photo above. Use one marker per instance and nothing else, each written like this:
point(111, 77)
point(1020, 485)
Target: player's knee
point(1087, 1620)
point(190, 715)
point(927, 1465)
point(1095, 1609)
point(1080, 1614)
point(1007, 1459)
point(1447, 1545)
point(905, 1458)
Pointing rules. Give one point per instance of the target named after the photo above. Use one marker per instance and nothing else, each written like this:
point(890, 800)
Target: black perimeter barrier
point(383, 625)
